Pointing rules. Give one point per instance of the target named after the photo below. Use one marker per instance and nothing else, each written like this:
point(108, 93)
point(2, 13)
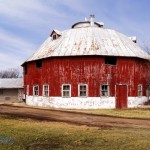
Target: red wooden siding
point(90, 70)
point(121, 96)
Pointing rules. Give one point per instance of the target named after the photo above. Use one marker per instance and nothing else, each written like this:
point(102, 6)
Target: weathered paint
point(72, 103)
point(82, 103)
point(89, 41)
point(90, 70)
point(134, 102)
point(121, 95)
point(77, 56)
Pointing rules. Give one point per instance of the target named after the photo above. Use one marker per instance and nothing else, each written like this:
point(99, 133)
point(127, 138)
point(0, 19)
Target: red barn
point(87, 67)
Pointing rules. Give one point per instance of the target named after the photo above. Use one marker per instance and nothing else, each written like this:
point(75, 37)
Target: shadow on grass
point(44, 146)
point(25, 117)
point(22, 117)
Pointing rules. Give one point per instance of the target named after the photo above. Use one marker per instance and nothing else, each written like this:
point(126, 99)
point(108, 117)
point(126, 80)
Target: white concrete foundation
point(82, 103)
point(72, 103)
point(134, 102)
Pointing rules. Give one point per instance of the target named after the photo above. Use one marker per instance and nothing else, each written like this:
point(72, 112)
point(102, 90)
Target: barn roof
point(86, 40)
point(11, 83)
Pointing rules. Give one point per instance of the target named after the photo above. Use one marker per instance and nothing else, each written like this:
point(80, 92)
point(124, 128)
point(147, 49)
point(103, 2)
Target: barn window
point(66, 90)
point(139, 90)
point(82, 90)
point(46, 90)
point(39, 63)
point(54, 36)
point(35, 90)
point(110, 60)
point(104, 90)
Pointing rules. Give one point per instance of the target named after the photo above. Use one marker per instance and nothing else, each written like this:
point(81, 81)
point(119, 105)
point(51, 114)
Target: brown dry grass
point(29, 134)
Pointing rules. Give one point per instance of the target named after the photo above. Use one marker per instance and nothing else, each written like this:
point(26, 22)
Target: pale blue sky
point(25, 24)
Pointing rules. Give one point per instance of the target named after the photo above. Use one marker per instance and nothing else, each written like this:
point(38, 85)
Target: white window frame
point(62, 90)
point(44, 91)
point(140, 91)
point(79, 90)
point(101, 90)
point(34, 90)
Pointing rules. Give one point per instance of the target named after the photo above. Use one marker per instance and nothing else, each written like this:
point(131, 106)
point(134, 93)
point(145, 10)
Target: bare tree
point(10, 73)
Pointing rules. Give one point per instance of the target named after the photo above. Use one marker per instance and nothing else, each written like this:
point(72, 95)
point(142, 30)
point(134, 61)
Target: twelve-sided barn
point(87, 67)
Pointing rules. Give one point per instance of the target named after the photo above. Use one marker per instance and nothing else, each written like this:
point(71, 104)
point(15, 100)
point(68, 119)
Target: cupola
point(88, 23)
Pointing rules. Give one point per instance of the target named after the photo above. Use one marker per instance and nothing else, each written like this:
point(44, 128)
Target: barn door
point(121, 96)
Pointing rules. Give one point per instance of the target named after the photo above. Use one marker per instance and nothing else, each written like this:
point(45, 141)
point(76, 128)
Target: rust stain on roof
point(89, 41)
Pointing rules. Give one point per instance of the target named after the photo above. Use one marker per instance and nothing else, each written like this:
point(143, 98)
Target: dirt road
point(73, 117)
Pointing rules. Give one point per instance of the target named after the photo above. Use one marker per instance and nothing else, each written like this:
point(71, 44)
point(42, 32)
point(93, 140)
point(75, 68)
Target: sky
point(26, 24)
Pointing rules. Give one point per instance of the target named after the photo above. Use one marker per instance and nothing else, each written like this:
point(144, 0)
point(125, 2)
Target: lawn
point(27, 134)
point(127, 113)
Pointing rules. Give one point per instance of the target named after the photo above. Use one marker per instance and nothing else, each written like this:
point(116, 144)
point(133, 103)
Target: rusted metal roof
point(89, 41)
point(11, 83)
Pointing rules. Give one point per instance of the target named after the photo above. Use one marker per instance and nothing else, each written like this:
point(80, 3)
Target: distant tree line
point(10, 73)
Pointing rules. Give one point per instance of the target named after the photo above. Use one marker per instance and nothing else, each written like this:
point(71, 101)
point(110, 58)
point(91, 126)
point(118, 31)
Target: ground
point(46, 129)
point(73, 117)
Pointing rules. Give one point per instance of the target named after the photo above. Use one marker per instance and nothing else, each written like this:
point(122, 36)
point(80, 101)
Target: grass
point(41, 135)
point(127, 113)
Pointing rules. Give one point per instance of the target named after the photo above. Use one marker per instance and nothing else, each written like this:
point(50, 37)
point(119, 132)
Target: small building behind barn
point(87, 67)
point(11, 90)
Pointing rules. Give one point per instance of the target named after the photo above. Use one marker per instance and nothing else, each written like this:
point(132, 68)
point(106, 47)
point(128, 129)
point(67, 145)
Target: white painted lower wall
point(82, 103)
point(72, 103)
point(134, 102)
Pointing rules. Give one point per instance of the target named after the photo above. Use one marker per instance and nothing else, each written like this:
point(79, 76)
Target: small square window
point(39, 63)
point(46, 90)
point(35, 90)
point(104, 90)
point(66, 90)
point(139, 90)
point(82, 90)
point(110, 60)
